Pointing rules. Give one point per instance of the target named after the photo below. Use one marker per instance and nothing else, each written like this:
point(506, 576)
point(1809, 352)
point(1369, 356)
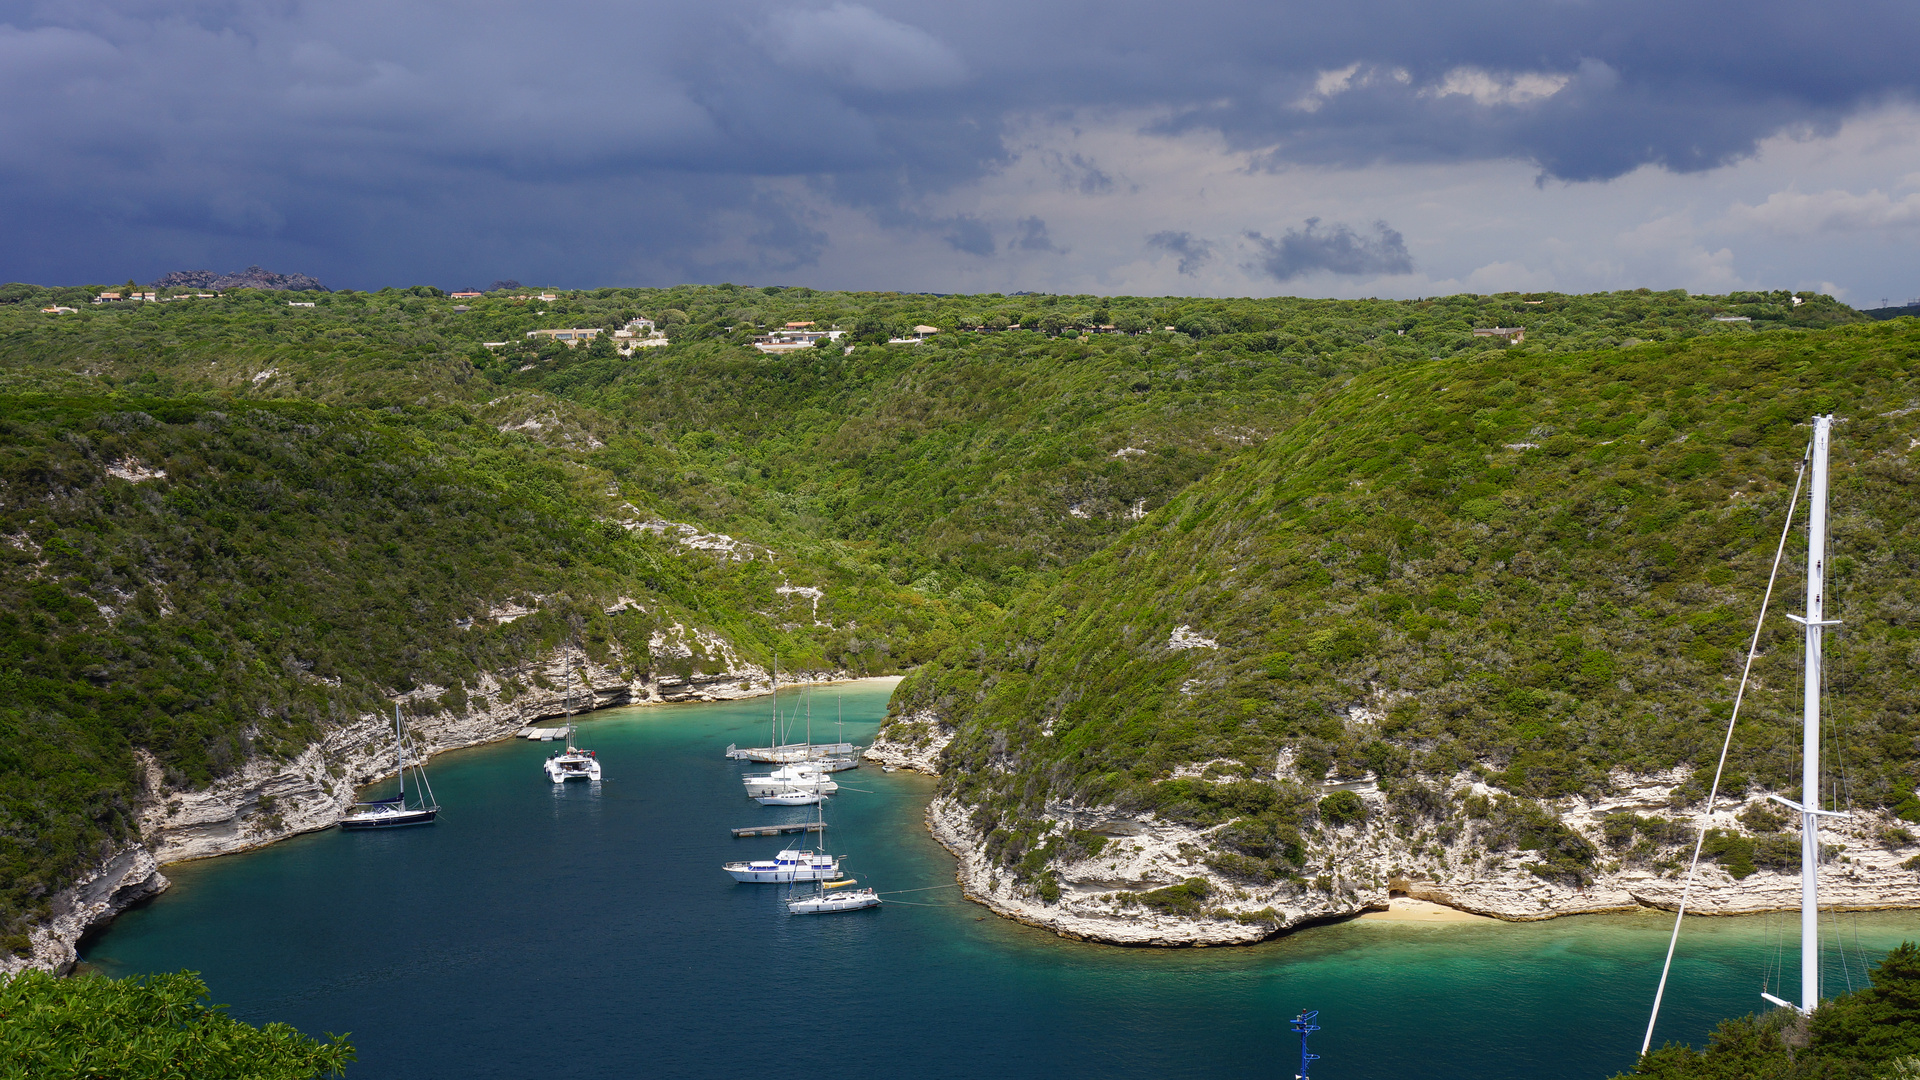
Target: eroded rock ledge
point(1357, 867)
point(913, 742)
point(268, 800)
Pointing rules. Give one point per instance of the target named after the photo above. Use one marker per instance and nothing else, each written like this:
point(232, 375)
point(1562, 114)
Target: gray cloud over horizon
point(585, 141)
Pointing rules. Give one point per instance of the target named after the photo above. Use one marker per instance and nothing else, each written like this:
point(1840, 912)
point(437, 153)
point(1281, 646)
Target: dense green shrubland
point(295, 566)
point(339, 491)
point(92, 1028)
point(1538, 568)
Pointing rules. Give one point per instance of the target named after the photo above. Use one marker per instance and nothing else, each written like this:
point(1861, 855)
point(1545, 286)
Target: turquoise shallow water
point(541, 932)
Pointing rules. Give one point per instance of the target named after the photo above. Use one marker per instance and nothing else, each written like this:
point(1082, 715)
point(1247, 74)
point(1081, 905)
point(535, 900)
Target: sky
point(1208, 147)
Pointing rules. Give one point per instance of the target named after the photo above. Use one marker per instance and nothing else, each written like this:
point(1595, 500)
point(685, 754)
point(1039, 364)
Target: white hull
point(790, 753)
point(790, 798)
point(828, 903)
point(786, 868)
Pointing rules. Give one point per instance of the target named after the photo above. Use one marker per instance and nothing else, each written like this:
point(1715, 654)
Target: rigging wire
point(1700, 835)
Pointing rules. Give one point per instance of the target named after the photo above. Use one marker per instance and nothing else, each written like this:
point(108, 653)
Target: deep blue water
point(535, 932)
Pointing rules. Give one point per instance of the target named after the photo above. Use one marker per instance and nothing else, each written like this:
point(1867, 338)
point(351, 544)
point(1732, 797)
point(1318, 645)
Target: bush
point(1342, 808)
point(146, 1026)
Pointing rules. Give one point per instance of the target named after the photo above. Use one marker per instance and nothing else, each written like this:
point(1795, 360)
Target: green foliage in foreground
point(208, 582)
point(155, 1027)
point(1870, 1033)
point(1534, 568)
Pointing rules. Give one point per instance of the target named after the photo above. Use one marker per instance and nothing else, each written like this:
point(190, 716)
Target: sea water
point(571, 931)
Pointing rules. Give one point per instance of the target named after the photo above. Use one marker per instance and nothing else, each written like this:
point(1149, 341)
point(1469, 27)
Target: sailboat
point(394, 812)
point(827, 896)
point(790, 797)
point(572, 763)
point(779, 753)
point(1814, 624)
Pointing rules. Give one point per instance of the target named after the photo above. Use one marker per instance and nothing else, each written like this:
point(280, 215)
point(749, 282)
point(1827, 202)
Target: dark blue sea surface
point(537, 932)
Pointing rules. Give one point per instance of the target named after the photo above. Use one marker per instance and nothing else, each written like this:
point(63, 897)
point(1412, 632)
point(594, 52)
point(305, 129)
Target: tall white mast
point(400, 754)
point(1815, 623)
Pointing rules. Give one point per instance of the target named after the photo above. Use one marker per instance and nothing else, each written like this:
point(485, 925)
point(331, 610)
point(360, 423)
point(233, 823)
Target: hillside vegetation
point(213, 584)
point(1535, 568)
point(92, 1028)
point(229, 523)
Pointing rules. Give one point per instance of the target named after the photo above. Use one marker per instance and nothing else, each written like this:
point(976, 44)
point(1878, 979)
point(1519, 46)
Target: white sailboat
point(394, 812)
point(1814, 625)
point(827, 899)
point(779, 753)
point(827, 896)
point(790, 798)
point(572, 763)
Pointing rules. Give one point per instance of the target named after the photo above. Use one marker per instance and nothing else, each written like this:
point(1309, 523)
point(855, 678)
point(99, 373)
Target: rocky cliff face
point(268, 799)
point(912, 742)
point(1148, 882)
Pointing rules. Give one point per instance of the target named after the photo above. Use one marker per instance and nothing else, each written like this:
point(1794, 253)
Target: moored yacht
point(787, 867)
point(826, 900)
point(572, 763)
point(790, 797)
point(800, 776)
point(394, 812)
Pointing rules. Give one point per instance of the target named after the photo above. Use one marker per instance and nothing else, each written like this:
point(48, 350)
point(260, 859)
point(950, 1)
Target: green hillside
point(1536, 567)
point(296, 564)
point(346, 483)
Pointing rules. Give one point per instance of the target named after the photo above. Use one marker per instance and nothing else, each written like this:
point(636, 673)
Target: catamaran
point(394, 812)
point(572, 763)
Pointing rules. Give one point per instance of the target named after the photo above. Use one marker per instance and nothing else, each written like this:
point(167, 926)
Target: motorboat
point(829, 898)
point(790, 797)
point(394, 812)
point(787, 867)
point(800, 776)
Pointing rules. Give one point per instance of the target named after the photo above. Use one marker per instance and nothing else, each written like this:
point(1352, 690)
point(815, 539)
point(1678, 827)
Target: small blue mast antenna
point(1304, 1024)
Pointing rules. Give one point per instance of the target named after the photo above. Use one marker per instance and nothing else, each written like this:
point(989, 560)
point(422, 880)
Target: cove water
point(538, 931)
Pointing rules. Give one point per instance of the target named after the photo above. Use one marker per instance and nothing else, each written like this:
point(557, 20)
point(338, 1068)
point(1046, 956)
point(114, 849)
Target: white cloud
point(1797, 213)
point(1492, 88)
point(860, 47)
point(1336, 81)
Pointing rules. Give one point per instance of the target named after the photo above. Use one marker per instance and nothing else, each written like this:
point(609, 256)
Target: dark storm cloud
point(1193, 251)
point(1334, 250)
point(583, 141)
point(1033, 235)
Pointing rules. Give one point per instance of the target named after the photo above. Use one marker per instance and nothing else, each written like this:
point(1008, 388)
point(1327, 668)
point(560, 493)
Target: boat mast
point(1810, 812)
point(1815, 623)
point(399, 754)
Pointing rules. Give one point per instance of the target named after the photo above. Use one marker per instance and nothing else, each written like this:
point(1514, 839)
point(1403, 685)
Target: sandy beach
point(1407, 909)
